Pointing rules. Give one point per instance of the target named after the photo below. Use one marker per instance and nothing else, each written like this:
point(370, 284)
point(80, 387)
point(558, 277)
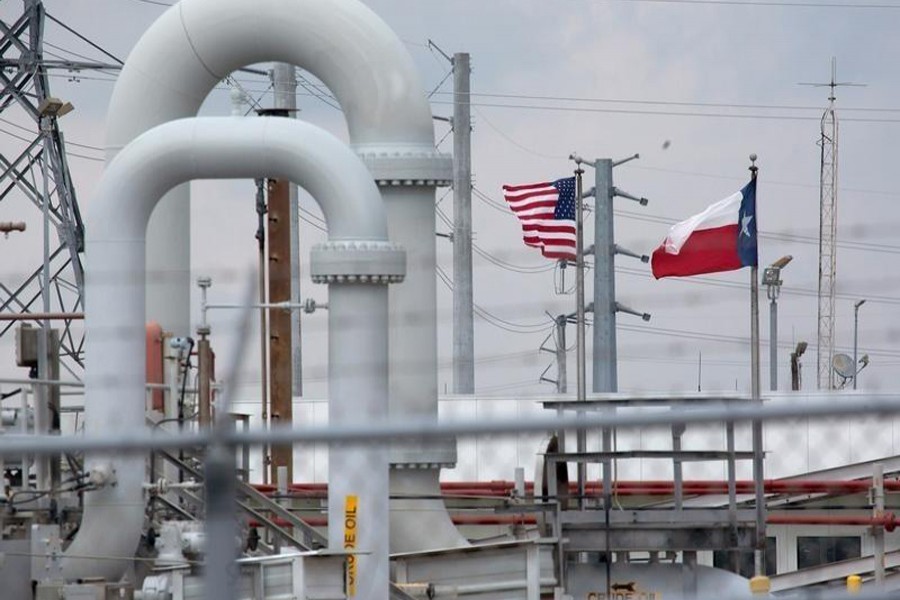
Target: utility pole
point(281, 399)
point(605, 371)
point(605, 307)
point(280, 330)
point(463, 329)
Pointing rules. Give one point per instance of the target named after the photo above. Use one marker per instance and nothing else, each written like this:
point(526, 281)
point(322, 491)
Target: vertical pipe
point(280, 355)
point(677, 432)
point(732, 494)
point(204, 360)
point(284, 80)
point(41, 427)
point(878, 530)
point(463, 329)
point(26, 458)
point(413, 379)
point(221, 523)
point(581, 437)
point(773, 345)
point(358, 475)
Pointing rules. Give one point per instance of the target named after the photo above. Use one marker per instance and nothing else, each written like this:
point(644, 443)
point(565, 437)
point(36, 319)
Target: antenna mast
point(828, 144)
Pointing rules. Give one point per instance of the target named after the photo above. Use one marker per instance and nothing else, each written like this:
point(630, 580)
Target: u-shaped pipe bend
point(357, 262)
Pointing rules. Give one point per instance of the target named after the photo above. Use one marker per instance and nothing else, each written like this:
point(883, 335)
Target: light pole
point(796, 366)
point(772, 281)
point(856, 369)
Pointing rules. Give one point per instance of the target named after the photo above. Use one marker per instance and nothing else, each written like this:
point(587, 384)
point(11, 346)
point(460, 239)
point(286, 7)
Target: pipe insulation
point(357, 262)
point(170, 72)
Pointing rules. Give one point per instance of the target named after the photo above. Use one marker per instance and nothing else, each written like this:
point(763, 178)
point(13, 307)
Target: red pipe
point(644, 488)
point(888, 521)
point(509, 519)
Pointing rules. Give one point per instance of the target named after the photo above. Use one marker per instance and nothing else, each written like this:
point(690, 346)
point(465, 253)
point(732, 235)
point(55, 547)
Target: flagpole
point(758, 455)
point(581, 437)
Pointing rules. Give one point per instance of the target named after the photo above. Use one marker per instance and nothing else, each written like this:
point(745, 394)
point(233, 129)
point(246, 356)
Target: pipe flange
point(423, 466)
point(423, 453)
point(357, 261)
point(408, 168)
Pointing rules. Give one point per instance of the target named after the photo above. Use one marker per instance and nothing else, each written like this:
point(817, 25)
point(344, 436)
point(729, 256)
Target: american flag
point(547, 213)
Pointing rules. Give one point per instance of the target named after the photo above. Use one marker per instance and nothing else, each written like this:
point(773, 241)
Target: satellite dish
point(843, 366)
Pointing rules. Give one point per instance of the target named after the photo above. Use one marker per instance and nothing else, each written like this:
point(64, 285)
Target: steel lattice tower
point(828, 187)
point(827, 238)
point(40, 174)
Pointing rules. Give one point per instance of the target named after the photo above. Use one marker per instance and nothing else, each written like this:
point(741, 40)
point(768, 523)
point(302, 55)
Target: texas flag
point(721, 238)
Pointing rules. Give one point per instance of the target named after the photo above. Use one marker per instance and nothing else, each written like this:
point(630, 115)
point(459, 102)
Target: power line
point(89, 42)
point(28, 141)
point(661, 113)
point(326, 97)
point(788, 290)
point(594, 100)
point(767, 181)
point(493, 259)
point(773, 4)
point(494, 319)
point(781, 237)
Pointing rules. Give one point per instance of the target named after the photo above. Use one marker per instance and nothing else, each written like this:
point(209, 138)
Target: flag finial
point(753, 167)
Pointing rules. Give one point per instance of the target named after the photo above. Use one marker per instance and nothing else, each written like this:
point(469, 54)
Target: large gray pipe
point(172, 69)
point(357, 262)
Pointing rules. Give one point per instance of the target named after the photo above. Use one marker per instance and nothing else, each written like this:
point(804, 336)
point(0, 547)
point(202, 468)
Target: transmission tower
point(828, 144)
point(39, 173)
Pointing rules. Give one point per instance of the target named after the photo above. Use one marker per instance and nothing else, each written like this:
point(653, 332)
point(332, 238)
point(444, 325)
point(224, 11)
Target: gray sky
point(718, 81)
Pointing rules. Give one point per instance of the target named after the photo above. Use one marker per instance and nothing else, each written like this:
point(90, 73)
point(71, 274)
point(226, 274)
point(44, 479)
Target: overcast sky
point(694, 87)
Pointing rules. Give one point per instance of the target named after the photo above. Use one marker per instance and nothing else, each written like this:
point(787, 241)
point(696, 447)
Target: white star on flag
point(745, 224)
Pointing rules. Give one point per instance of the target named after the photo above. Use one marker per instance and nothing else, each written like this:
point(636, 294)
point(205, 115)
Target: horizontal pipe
point(649, 487)
point(42, 316)
point(418, 428)
point(889, 521)
point(457, 519)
